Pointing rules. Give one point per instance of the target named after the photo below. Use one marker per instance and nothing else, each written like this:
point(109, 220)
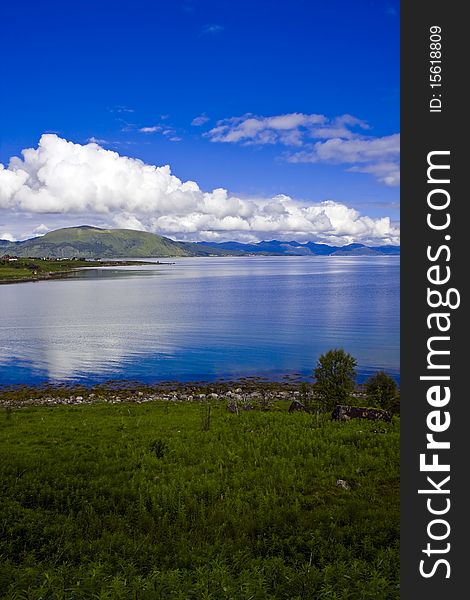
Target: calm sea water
point(201, 319)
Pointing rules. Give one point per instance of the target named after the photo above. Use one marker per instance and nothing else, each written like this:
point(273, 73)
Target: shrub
point(381, 390)
point(335, 374)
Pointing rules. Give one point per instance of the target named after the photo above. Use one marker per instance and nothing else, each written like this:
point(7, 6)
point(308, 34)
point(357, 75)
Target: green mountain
point(92, 242)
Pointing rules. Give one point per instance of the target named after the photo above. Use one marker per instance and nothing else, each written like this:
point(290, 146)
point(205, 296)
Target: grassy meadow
point(30, 268)
point(167, 501)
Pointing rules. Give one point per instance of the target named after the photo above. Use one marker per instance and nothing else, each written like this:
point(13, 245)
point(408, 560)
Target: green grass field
point(32, 268)
point(154, 501)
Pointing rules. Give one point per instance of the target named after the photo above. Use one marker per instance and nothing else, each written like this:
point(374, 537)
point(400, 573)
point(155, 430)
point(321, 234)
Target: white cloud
point(339, 140)
point(200, 120)
point(351, 151)
point(345, 126)
point(386, 172)
point(151, 129)
point(166, 131)
point(253, 130)
point(5, 235)
point(127, 221)
point(292, 129)
point(95, 140)
point(378, 156)
point(87, 181)
point(41, 229)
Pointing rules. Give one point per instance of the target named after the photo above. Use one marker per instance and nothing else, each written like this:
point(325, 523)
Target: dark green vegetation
point(382, 391)
point(335, 374)
point(31, 269)
point(92, 242)
point(166, 500)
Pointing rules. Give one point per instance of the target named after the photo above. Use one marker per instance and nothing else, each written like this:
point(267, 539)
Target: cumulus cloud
point(338, 140)
point(63, 178)
point(5, 235)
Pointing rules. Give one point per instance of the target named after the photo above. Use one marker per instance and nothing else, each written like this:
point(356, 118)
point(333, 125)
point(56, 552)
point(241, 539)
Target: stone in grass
point(342, 483)
point(296, 405)
point(345, 413)
point(232, 407)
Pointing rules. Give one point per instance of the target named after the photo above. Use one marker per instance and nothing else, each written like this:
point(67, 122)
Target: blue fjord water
point(201, 319)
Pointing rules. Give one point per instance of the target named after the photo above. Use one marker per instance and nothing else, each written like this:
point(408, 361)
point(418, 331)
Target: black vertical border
point(422, 132)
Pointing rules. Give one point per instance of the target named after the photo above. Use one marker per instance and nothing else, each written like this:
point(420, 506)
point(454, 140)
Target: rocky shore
point(244, 395)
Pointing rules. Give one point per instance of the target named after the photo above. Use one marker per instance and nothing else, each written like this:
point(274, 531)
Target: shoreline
point(64, 274)
point(248, 393)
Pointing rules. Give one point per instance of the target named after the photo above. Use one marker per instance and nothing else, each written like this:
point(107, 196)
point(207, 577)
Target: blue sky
point(250, 97)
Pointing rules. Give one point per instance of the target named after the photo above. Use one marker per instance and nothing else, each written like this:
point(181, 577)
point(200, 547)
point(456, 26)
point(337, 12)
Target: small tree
point(335, 375)
point(381, 390)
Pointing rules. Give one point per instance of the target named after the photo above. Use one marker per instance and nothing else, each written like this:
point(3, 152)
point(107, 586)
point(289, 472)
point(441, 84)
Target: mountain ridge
point(86, 241)
point(293, 248)
point(90, 242)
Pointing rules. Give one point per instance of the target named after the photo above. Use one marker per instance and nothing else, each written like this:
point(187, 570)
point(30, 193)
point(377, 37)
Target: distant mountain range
point(277, 248)
point(93, 242)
